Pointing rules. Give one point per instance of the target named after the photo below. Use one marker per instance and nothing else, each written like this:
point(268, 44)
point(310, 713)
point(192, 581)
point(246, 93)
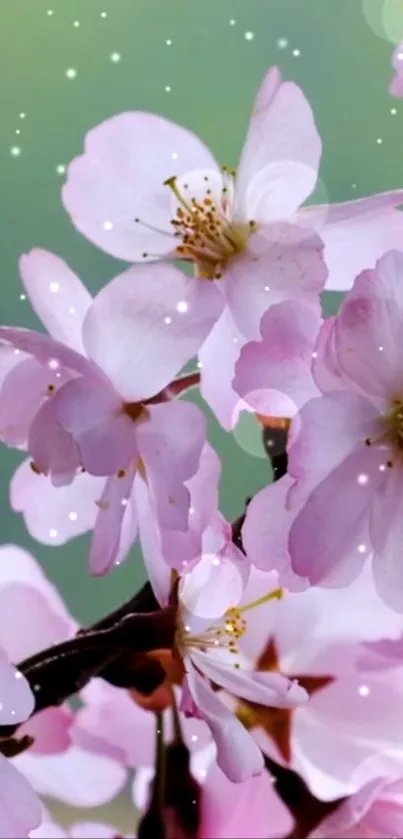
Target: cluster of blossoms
point(255, 686)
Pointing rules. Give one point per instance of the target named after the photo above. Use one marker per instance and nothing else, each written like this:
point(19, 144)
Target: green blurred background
point(66, 65)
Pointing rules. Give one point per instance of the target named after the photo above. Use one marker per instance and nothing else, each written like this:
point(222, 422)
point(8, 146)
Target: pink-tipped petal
point(104, 434)
point(281, 155)
point(120, 178)
point(47, 627)
point(356, 234)
point(50, 730)
point(24, 389)
point(274, 375)
point(20, 808)
point(238, 755)
point(16, 698)
point(283, 263)
point(111, 540)
point(170, 445)
point(54, 515)
point(146, 324)
point(56, 294)
point(17, 566)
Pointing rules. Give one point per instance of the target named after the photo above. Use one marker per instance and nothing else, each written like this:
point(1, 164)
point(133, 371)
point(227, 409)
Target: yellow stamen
point(277, 594)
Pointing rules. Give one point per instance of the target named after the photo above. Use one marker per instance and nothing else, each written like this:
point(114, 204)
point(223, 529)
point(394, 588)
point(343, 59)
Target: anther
point(368, 441)
point(121, 473)
point(389, 464)
point(35, 468)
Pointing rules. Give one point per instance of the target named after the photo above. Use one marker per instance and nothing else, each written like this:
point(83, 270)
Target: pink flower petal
point(37, 383)
point(17, 566)
point(368, 328)
point(45, 349)
point(53, 449)
point(217, 360)
point(386, 531)
point(251, 810)
point(50, 730)
point(114, 507)
point(46, 627)
point(274, 375)
point(326, 370)
point(286, 264)
point(170, 445)
point(238, 756)
point(104, 435)
point(282, 149)
point(20, 809)
point(211, 587)
point(56, 294)
point(344, 418)
point(54, 515)
point(265, 533)
point(94, 830)
point(146, 324)
point(121, 177)
point(271, 689)
point(320, 548)
point(356, 234)
point(16, 698)
point(77, 778)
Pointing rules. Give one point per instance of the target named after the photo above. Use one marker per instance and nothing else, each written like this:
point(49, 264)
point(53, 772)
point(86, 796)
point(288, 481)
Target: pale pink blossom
point(396, 85)
point(337, 741)
point(346, 453)
point(375, 812)
point(85, 415)
point(54, 765)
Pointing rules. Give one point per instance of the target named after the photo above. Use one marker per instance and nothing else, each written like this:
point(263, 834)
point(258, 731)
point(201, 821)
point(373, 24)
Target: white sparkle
point(314, 355)
point(124, 502)
point(182, 306)
point(174, 155)
point(249, 36)
point(382, 467)
point(363, 690)
point(168, 320)
point(232, 22)
point(282, 43)
point(216, 561)
point(393, 111)
point(400, 56)
point(103, 14)
point(353, 186)
point(52, 533)
point(296, 52)
point(17, 675)
point(379, 141)
point(50, 12)
point(71, 73)
point(203, 773)
point(23, 296)
point(191, 510)
point(168, 42)
point(60, 169)
point(235, 340)
point(115, 57)
point(53, 364)
point(73, 516)
point(194, 738)
point(267, 288)
point(22, 115)
point(167, 88)
point(72, 310)
point(12, 713)
point(15, 151)
point(54, 287)
point(187, 628)
point(76, 23)
point(199, 365)
point(18, 130)
point(362, 479)
point(380, 349)
point(362, 549)
point(108, 225)
point(16, 352)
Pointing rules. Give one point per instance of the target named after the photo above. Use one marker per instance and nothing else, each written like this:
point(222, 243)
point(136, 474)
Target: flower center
point(391, 431)
point(210, 238)
point(224, 634)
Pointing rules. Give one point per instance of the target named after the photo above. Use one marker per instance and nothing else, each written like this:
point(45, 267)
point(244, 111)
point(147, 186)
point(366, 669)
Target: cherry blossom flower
point(396, 85)
point(54, 765)
point(374, 812)
point(81, 420)
point(337, 741)
point(349, 491)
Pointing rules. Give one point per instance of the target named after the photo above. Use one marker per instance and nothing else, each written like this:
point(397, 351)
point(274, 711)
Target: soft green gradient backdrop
point(212, 71)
